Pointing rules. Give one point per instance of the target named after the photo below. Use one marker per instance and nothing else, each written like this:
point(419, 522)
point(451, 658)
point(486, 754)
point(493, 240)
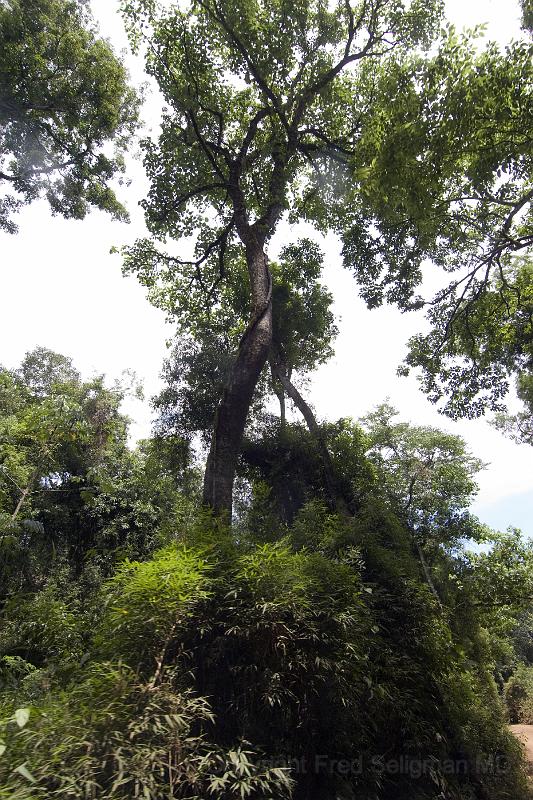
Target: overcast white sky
point(62, 289)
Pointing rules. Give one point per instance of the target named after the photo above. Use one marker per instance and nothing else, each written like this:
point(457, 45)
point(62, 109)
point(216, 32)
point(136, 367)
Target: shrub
point(114, 738)
point(518, 693)
point(227, 670)
point(147, 602)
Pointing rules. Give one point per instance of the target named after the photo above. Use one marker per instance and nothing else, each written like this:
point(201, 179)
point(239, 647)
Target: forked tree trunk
point(232, 411)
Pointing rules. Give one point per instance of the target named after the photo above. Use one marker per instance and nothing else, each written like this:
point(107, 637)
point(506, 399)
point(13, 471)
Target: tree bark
point(338, 501)
point(232, 411)
point(282, 412)
point(25, 492)
point(280, 394)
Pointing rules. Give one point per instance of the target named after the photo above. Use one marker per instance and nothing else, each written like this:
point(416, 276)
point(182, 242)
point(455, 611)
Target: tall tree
point(64, 97)
point(427, 475)
point(264, 103)
point(428, 478)
point(303, 327)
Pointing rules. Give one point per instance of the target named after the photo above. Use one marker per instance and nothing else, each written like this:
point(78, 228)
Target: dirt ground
point(525, 734)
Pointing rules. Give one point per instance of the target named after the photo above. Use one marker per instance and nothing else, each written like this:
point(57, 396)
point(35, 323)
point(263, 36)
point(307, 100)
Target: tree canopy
point(65, 106)
point(428, 475)
point(446, 193)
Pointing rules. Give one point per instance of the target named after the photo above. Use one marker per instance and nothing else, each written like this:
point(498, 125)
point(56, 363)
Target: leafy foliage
point(65, 96)
point(289, 462)
point(328, 653)
point(442, 174)
point(519, 695)
point(428, 476)
point(122, 739)
point(254, 97)
point(147, 602)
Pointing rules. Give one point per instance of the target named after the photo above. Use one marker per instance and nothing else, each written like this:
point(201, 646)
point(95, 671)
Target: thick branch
point(318, 134)
point(311, 91)
point(251, 132)
point(276, 189)
point(196, 192)
point(206, 146)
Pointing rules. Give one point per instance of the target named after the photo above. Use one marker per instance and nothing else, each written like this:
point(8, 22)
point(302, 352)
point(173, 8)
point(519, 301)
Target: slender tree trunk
point(305, 410)
point(25, 492)
point(426, 571)
point(232, 411)
point(280, 394)
point(282, 412)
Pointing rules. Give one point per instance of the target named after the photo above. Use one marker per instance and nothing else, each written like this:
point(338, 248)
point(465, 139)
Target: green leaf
point(24, 771)
point(22, 716)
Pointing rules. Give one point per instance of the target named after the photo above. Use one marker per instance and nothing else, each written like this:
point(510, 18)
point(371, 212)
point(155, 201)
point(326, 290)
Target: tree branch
point(184, 198)
point(217, 14)
point(336, 497)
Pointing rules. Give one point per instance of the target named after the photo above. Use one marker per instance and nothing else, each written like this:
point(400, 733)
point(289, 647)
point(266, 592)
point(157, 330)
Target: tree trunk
point(282, 413)
point(426, 571)
point(232, 411)
point(305, 410)
point(27, 489)
point(280, 394)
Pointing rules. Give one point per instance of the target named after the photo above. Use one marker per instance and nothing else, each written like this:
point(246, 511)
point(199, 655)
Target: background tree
point(73, 497)
point(428, 478)
point(448, 181)
point(52, 425)
point(64, 98)
point(261, 99)
point(426, 474)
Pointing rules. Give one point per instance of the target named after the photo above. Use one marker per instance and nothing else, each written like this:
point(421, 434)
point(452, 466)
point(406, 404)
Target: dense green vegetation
point(148, 650)
point(64, 98)
point(316, 613)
